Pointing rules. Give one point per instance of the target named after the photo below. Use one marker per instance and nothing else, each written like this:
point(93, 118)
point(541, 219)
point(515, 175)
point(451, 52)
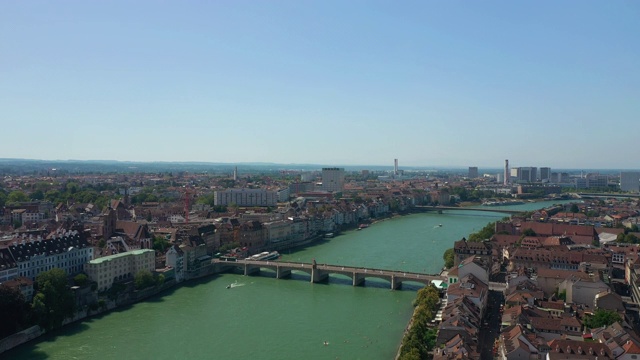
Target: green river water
point(265, 318)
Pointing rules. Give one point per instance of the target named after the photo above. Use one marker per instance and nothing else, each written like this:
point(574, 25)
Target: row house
point(620, 341)
point(475, 265)
point(277, 231)
point(473, 289)
point(174, 258)
point(554, 327)
point(461, 319)
point(8, 266)
point(68, 251)
point(299, 228)
point(463, 249)
point(195, 253)
point(518, 343)
point(211, 237)
point(456, 348)
point(253, 235)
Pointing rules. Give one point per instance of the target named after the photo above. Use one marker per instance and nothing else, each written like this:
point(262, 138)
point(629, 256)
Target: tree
point(602, 317)
point(575, 208)
point(54, 300)
point(81, 280)
point(449, 257)
point(144, 279)
point(17, 196)
point(160, 243)
point(529, 232)
point(484, 233)
point(13, 311)
point(37, 195)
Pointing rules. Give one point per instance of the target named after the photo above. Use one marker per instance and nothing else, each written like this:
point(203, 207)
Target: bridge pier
point(395, 284)
point(251, 270)
point(318, 275)
point(357, 279)
point(282, 273)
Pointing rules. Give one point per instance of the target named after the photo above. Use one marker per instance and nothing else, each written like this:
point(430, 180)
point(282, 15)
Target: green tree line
point(421, 338)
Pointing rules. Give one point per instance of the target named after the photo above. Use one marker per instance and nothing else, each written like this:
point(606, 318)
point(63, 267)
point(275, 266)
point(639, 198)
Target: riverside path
point(321, 272)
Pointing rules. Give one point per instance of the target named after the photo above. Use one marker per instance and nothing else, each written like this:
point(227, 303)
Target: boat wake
point(234, 285)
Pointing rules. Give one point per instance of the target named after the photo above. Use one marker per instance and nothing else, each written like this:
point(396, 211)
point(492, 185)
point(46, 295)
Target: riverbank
point(362, 315)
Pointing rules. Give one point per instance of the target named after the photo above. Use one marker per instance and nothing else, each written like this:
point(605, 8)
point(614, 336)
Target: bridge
point(606, 195)
point(487, 209)
point(321, 272)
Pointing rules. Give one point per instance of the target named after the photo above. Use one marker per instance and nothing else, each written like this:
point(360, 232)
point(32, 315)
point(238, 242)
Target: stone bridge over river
point(321, 272)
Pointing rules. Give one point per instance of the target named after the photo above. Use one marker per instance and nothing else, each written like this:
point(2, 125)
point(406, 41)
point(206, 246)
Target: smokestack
point(506, 172)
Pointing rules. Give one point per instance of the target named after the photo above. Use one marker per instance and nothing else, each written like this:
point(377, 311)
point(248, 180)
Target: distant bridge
point(487, 209)
point(606, 195)
point(321, 272)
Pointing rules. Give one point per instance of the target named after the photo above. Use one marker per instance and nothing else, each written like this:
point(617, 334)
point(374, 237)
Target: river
point(265, 318)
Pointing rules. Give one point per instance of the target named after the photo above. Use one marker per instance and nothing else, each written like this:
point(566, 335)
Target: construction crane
point(188, 192)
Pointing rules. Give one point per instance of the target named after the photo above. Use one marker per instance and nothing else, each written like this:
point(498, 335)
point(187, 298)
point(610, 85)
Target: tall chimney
point(506, 172)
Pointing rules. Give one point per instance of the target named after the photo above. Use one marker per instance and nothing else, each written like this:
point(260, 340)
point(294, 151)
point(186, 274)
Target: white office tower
point(333, 179)
point(630, 181)
point(395, 166)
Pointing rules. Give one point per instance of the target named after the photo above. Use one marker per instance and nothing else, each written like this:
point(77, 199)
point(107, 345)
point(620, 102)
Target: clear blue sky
point(432, 83)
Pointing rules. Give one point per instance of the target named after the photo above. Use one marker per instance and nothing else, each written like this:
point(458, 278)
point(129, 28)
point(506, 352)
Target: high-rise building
point(333, 179)
point(506, 172)
point(630, 181)
point(528, 174)
point(473, 172)
point(545, 174)
point(395, 166)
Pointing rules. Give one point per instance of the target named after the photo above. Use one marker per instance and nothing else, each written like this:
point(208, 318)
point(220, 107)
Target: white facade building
point(333, 179)
point(175, 259)
point(69, 252)
point(106, 270)
point(245, 197)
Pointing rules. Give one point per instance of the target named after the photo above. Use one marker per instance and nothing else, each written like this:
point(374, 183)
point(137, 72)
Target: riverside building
point(108, 269)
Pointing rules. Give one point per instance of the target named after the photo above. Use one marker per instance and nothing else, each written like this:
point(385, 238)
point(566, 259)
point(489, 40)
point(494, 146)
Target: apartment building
point(68, 251)
point(108, 269)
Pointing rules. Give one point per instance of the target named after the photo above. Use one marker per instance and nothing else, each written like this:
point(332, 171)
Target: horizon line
point(293, 164)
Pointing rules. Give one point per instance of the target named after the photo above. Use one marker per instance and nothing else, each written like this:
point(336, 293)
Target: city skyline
point(331, 83)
